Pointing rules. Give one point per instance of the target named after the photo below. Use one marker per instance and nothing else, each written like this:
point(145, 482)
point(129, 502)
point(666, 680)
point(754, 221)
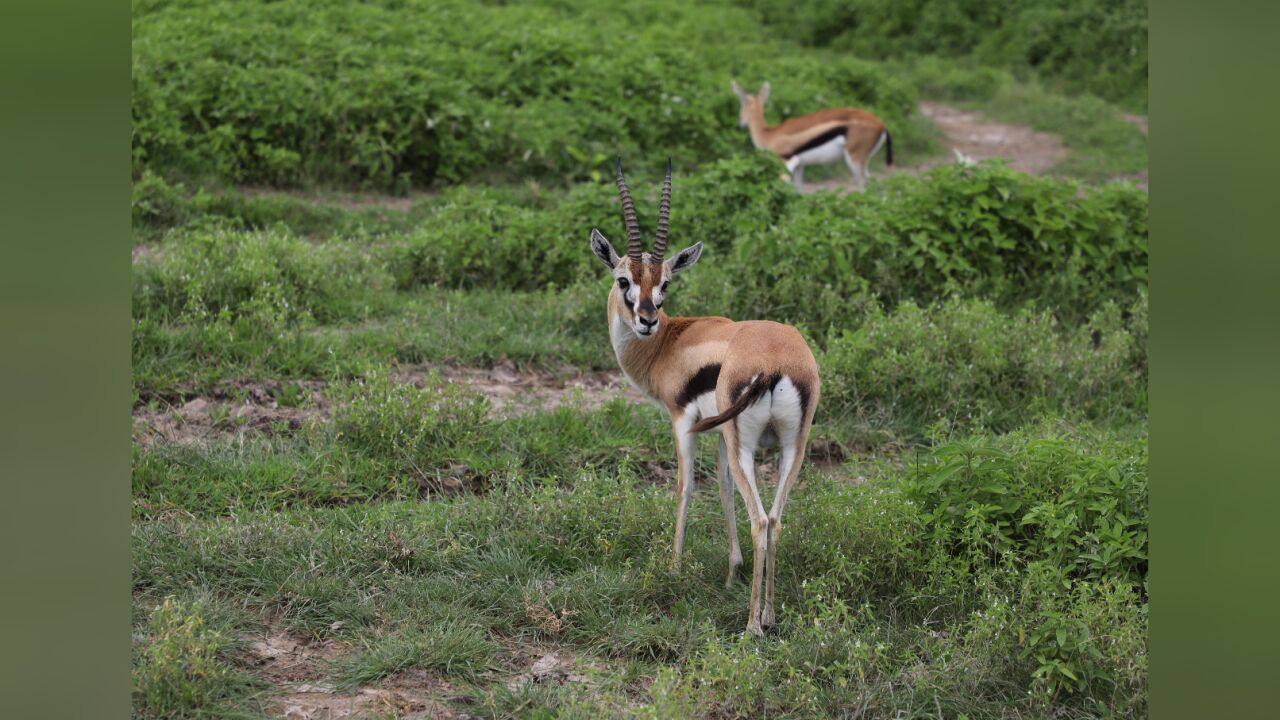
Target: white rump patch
point(826, 153)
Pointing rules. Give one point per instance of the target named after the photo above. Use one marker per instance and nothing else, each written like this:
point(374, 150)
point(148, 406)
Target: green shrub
point(400, 94)
point(1096, 47)
point(1081, 512)
point(271, 277)
point(160, 206)
point(964, 365)
point(988, 232)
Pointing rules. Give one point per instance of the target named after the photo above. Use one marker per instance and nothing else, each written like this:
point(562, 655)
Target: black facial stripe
point(703, 381)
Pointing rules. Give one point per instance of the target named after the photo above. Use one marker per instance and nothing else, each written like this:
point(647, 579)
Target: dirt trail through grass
point(301, 672)
point(1027, 150)
point(977, 138)
point(271, 407)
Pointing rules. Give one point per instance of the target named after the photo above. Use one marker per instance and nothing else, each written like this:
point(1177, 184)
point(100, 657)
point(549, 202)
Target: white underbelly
point(829, 152)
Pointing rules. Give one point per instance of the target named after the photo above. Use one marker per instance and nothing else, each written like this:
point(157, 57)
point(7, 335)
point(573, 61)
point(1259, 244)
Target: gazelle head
point(750, 105)
point(640, 279)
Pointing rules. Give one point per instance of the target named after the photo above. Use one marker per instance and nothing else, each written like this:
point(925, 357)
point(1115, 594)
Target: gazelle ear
point(737, 89)
point(685, 258)
point(603, 250)
point(764, 92)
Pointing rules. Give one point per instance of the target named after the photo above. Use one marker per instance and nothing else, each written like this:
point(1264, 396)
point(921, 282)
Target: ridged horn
point(629, 217)
point(664, 213)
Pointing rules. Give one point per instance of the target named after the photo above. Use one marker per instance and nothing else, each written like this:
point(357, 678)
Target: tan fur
point(862, 130)
point(663, 364)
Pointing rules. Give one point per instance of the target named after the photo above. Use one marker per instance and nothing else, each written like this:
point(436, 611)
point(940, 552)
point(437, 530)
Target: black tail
point(746, 397)
point(888, 148)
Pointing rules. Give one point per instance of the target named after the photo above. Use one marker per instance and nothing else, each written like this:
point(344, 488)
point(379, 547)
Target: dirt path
point(300, 669)
point(1138, 121)
point(274, 408)
point(240, 411)
point(1026, 150)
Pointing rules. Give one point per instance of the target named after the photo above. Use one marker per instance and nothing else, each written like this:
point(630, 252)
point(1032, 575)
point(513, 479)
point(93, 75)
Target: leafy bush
point(271, 278)
point(400, 94)
point(964, 365)
point(160, 206)
point(1097, 47)
point(988, 232)
point(1081, 511)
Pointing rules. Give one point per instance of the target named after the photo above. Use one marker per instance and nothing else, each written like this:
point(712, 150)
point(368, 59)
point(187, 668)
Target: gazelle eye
point(623, 284)
point(665, 283)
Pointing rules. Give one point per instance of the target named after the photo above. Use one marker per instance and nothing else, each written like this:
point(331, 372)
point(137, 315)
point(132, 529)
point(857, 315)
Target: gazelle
point(754, 382)
point(819, 138)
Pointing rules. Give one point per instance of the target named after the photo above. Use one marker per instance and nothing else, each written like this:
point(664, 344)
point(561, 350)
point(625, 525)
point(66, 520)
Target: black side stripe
point(703, 381)
point(822, 139)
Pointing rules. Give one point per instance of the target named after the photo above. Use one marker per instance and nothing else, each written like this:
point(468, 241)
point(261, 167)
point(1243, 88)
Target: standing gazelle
point(819, 138)
point(754, 382)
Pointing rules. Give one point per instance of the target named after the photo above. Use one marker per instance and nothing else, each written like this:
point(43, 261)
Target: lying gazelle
point(819, 138)
point(754, 382)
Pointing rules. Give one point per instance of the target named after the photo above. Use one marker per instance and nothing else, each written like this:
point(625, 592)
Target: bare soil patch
point(238, 410)
point(298, 667)
point(284, 657)
point(234, 412)
point(1139, 121)
point(350, 200)
point(323, 702)
point(514, 392)
point(142, 252)
point(1026, 150)
point(1029, 151)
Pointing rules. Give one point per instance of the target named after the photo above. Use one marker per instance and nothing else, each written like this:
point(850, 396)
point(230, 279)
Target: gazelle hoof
point(755, 629)
point(766, 617)
point(733, 574)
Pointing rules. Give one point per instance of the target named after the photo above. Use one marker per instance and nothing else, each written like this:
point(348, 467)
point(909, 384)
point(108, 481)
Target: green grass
point(864, 587)
point(1093, 47)
point(184, 665)
point(397, 95)
point(981, 335)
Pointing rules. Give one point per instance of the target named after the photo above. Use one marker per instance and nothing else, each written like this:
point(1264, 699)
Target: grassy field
point(383, 464)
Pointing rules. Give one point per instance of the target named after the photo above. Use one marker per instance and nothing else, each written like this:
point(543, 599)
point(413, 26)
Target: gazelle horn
point(664, 212)
point(629, 217)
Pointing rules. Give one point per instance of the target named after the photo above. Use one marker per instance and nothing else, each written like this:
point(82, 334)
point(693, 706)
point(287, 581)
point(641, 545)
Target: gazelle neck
point(636, 357)
point(756, 125)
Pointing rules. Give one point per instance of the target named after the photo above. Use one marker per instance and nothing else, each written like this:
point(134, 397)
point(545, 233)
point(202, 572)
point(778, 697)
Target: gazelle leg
point(686, 444)
point(742, 467)
point(797, 173)
point(731, 523)
point(856, 169)
point(791, 457)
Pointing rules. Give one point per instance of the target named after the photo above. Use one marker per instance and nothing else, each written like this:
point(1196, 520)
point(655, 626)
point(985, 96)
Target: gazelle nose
point(646, 323)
